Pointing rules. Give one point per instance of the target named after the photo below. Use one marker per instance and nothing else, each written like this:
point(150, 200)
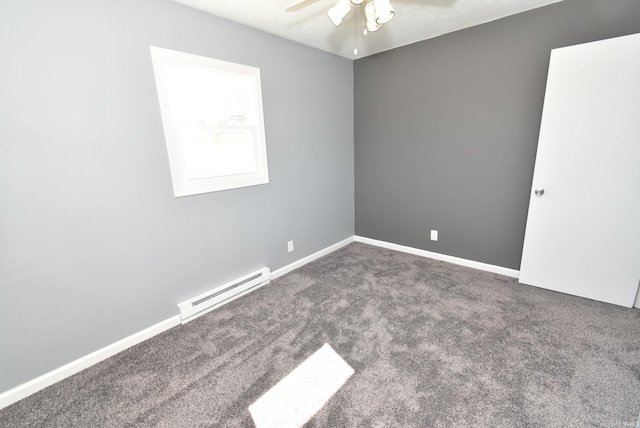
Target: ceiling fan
point(376, 12)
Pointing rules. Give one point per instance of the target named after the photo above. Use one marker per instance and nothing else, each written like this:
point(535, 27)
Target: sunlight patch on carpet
point(298, 396)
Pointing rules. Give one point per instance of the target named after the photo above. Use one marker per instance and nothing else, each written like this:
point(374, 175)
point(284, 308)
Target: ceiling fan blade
point(298, 5)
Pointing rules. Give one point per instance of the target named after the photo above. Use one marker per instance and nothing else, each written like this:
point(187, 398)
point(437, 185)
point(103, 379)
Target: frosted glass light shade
point(384, 11)
point(338, 12)
point(370, 17)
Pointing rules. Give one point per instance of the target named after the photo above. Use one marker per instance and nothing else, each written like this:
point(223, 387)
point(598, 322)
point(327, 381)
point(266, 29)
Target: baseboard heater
point(208, 301)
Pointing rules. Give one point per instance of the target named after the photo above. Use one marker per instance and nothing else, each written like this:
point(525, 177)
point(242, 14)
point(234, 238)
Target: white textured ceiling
point(415, 20)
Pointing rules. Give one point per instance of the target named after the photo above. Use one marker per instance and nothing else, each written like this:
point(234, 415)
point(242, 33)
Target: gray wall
point(446, 129)
point(93, 245)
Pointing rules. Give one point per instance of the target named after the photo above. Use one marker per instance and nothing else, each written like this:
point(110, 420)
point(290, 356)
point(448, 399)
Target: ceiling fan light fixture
point(370, 17)
point(357, 2)
point(384, 11)
point(338, 12)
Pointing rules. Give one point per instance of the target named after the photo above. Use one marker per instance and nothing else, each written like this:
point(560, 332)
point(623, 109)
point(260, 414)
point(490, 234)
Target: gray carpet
point(432, 345)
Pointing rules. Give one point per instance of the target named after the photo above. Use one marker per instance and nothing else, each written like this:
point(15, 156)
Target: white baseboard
point(22, 391)
point(299, 263)
point(442, 257)
point(47, 379)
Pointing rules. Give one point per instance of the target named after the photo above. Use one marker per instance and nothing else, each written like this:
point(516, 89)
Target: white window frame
point(184, 182)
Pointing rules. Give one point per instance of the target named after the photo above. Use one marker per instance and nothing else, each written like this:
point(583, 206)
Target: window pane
point(209, 97)
point(213, 122)
point(214, 153)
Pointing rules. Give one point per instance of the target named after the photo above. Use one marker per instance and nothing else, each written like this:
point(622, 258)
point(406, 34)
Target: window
point(213, 122)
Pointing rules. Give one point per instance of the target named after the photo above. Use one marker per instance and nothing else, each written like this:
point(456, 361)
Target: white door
point(583, 233)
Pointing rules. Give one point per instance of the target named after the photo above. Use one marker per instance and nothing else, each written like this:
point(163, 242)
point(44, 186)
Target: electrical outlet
point(434, 235)
point(290, 246)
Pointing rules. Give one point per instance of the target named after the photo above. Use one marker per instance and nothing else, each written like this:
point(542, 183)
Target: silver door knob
point(539, 192)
